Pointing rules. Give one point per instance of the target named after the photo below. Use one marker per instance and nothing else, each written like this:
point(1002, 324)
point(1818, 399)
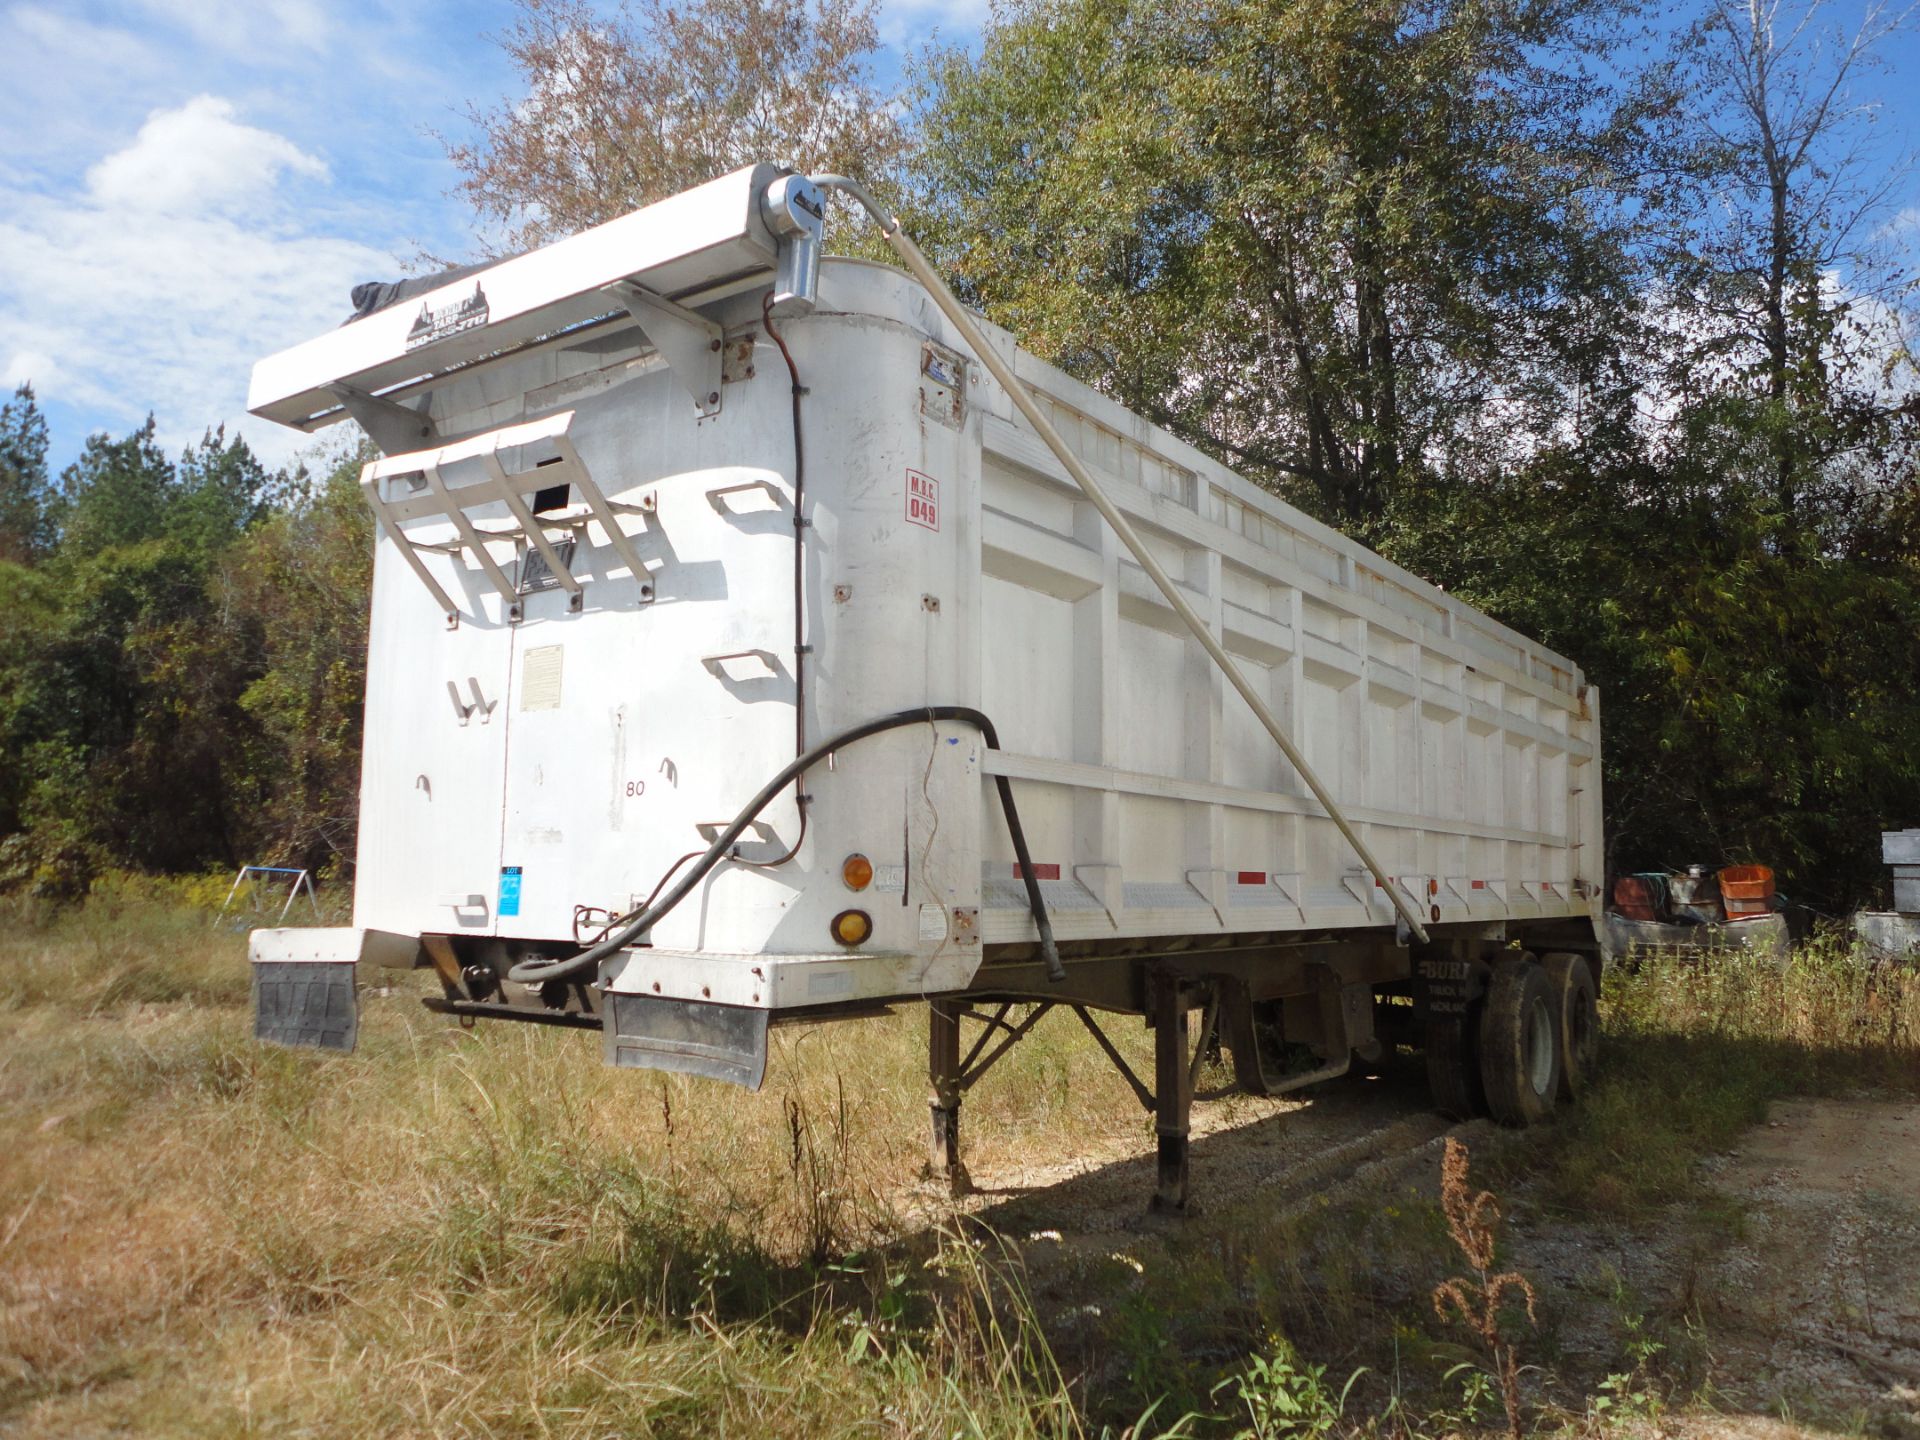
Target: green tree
point(220, 489)
point(1328, 240)
point(1786, 293)
point(124, 741)
point(1758, 703)
point(26, 519)
point(298, 587)
point(116, 493)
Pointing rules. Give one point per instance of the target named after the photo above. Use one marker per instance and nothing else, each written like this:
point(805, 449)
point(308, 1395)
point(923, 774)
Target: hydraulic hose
point(800, 647)
point(586, 963)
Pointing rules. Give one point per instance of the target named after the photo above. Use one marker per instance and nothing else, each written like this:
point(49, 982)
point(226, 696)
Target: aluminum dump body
point(631, 565)
point(519, 768)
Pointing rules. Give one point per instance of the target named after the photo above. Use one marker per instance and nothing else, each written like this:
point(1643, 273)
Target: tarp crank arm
point(1015, 387)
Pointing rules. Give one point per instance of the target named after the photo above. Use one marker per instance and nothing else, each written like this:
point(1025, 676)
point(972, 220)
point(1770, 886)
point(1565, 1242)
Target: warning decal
point(923, 500)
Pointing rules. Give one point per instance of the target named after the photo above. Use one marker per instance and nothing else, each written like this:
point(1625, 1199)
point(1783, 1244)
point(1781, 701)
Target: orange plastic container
point(1746, 882)
point(1746, 890)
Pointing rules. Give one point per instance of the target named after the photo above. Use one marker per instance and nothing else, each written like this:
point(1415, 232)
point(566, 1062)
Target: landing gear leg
point(943, 1074)
point(1173, 1096)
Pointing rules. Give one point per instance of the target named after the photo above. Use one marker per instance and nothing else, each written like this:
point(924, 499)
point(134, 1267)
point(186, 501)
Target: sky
point(188, 185)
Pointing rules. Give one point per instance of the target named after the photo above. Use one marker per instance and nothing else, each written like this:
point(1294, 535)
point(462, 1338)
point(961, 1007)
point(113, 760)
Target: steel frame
point(302, 879)
point(497, 485)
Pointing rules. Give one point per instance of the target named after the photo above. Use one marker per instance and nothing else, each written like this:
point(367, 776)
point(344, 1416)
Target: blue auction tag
point(509, 890)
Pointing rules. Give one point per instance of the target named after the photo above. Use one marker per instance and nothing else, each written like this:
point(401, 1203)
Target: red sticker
point(1253, 877)
point(1040, 872)
point(923, 500)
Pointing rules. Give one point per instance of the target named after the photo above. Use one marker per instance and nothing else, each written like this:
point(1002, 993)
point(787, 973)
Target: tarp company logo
point(923, 500)
point(431, 325)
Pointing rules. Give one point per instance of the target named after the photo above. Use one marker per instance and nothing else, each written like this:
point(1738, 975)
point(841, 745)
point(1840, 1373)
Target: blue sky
point(186, 185)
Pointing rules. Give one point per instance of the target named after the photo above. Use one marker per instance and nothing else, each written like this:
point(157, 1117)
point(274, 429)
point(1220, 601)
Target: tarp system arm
point(1023, 399)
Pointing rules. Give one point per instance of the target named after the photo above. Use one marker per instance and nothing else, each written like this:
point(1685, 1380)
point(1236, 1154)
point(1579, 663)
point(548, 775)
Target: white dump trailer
point(753, 643)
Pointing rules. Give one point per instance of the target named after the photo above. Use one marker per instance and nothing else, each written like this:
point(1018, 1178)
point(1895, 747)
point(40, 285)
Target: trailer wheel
point(1453, 1065)
point(1520, 1044)
point(1576, 1008)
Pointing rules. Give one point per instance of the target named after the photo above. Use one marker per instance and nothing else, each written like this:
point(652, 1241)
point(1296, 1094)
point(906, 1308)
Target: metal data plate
point(536, 574)
point(307, 1003)
point(687, 1037)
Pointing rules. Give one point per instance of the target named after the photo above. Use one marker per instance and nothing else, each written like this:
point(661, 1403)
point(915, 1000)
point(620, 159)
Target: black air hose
point(574, 967)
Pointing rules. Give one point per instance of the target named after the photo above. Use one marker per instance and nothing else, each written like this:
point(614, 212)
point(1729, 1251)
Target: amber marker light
point(852, 927)
point(857, 871)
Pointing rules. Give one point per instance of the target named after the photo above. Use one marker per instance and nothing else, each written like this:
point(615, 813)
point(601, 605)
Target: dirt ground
point(1791, 1307)
point(1244, 1150)
point(1816, 1306)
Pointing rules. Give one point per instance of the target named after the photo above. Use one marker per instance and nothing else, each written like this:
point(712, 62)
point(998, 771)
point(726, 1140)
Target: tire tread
point(1518, 983)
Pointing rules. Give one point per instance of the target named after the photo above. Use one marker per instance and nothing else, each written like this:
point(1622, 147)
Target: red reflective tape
point(1479, 885)
point(1252, 877)
point(1040, 872)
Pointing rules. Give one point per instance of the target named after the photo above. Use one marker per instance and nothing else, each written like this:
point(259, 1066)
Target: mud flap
point(310, 1003)
point(686, 1037)
point(304, 989)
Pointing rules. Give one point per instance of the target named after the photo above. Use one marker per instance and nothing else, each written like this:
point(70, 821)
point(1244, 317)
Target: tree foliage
point(626, 108)
point(1601, 348)
point(186, 674)
point(1595, 331)
point(26, 499)
point(1329, 238)
point(1789, 294)
point(1757, 699)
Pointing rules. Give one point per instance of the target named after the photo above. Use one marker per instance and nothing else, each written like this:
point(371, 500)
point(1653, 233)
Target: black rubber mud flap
point(687, 1037)
point(308, 1003)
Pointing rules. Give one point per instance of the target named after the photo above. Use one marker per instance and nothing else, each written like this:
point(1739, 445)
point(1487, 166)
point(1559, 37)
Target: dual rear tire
point(1576, 1007)
point(1531, 1041)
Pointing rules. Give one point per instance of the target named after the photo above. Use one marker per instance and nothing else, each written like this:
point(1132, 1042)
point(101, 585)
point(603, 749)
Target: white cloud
point(62, 42)
point(66, 89)
point(154, 289)
point(905, 25)
point(263, 30)
point(197, 157)
point(1902, 234)
point(25, 365)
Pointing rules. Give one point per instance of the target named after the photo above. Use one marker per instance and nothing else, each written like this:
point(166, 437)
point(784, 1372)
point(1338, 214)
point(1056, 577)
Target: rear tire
point(1453, 1065)
point(1520, 1044)
point(1576, 1008)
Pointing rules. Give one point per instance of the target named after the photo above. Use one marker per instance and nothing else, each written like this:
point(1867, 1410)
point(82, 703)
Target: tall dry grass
point(487, 1232)
point(1699, 1047)
point(481, 1232)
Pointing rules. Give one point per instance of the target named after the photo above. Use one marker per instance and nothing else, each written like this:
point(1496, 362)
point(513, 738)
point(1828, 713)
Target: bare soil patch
point(1785, 1302)
point(1817, 1304)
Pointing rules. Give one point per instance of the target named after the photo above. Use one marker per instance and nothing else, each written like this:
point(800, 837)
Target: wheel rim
point(1539, 1048)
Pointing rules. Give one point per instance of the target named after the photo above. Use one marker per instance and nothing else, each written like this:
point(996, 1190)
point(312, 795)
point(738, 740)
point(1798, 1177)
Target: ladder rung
point(438, 498)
